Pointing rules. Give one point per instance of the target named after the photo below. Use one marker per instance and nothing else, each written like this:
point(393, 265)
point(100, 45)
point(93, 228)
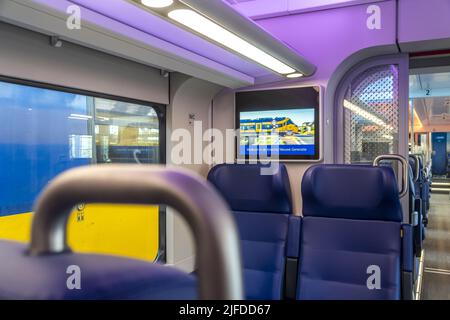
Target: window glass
point(44, 132)
point(125, 132)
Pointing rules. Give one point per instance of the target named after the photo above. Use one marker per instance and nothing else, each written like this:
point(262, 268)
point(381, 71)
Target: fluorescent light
point(213, 31)
point(157, 3)
point(294, 75)
point(365, 114)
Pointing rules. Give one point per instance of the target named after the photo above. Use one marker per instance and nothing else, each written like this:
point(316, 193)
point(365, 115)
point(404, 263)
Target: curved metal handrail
point(214, 230)
point(417, 167)
point(405, 165)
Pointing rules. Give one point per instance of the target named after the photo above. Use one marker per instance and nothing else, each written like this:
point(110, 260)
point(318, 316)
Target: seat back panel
point(262, 209)
point(336, 254)
point(351, 245)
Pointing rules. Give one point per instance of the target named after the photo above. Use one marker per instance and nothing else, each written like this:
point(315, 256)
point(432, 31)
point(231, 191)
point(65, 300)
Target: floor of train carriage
point(436, 272)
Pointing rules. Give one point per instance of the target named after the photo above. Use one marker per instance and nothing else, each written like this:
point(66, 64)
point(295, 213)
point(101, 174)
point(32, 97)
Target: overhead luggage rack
point(41, 273)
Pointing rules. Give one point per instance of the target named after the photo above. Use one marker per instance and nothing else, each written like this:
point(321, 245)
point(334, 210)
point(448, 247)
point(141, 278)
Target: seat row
point(419, 205)
point(421, 183)
point(350, 243)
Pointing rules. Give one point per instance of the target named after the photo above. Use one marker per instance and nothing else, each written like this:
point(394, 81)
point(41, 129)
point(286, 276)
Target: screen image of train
point(288, 132)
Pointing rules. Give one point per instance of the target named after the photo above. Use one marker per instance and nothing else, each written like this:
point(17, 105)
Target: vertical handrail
point(416, 167)
point(207, 214)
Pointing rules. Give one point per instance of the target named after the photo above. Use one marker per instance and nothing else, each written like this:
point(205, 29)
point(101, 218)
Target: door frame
point(402, 60)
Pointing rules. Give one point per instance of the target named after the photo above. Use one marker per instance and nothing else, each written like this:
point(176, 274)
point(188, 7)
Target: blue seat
point(102, 277)
point(353, 221)
point(422, 187)
point(415, 209)
point(262, 209)
point(46, 269)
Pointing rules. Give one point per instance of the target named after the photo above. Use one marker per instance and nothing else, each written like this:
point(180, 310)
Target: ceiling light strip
point(216, 21)
point(366, 114)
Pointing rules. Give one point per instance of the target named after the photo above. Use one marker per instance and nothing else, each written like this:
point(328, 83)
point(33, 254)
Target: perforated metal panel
point(371, 115)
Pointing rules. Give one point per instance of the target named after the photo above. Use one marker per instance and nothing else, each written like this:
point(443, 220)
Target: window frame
point(161, 111)
point(338, 115)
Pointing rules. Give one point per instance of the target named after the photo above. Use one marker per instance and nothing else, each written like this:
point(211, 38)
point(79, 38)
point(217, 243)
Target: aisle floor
point(436, 273)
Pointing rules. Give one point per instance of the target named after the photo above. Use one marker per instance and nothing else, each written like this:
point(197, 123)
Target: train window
point(45, 131)
point(371, 115)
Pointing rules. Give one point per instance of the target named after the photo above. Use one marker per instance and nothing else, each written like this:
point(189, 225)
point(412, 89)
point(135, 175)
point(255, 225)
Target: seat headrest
point(246, 189)
point(411, 184)
point(351, 192)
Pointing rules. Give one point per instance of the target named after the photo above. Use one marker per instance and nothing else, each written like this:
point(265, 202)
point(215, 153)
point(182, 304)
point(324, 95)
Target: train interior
point(225, 150)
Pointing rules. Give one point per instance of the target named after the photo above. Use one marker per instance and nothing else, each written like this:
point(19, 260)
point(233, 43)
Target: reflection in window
point(126, 132)
point(371, 115)
point(36, 126)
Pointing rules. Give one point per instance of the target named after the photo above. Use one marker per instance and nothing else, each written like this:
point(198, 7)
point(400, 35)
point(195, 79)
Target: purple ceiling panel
point(258, 9)
point(102, 21)
point(139, 19)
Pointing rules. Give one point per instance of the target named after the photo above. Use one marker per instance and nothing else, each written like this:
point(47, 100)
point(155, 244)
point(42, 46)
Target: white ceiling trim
point(142, 48)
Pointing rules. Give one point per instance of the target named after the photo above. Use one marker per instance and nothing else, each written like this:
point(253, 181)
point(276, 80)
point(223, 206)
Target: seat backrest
point(351, 230)
point(415, 207)
point(262, 208)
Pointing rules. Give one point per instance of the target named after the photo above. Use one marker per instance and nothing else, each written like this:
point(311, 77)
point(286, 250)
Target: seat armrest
point(415, 219)
point(293, 240)
point(292, 258)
